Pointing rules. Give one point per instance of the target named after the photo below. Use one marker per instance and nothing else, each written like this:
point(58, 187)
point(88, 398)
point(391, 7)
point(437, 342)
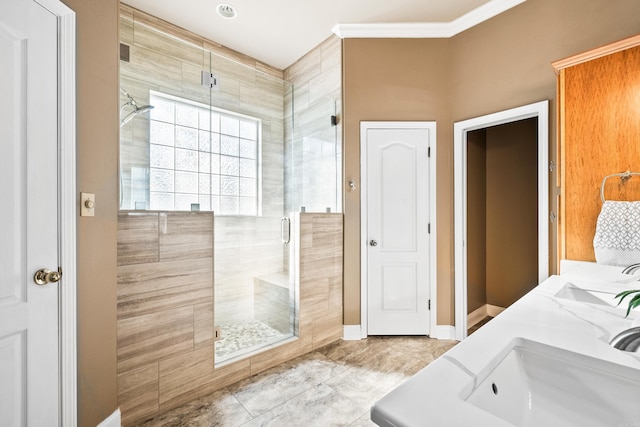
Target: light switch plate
point(87, 204)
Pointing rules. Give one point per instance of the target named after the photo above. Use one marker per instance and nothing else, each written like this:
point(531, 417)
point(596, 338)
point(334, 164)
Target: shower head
point(136, 108)
point(135, 112)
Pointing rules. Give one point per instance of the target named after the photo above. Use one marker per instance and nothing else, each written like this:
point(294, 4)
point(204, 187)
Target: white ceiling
point(279, 32)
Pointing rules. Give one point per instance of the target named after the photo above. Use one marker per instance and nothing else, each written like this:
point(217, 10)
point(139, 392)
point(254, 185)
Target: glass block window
point(202, 155)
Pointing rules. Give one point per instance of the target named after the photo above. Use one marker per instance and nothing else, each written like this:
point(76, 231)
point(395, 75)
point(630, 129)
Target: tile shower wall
point(246, 246)
point(165, 307)
point(165, 304)
point(313, 165)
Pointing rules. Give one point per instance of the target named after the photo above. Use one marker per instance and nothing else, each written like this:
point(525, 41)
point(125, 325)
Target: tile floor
point(332, 386)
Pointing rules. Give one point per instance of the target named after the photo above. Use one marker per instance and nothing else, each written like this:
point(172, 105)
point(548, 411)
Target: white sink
point(533, 384)
point(572, 292)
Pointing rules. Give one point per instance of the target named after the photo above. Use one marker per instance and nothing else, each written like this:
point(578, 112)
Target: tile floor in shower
point(332, 386)
point(242, 338)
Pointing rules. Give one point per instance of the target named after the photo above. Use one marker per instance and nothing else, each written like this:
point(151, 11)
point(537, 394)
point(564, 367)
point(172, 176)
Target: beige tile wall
point(165, 302)
point(169, 59)
point(313, 163)
point(165, 307)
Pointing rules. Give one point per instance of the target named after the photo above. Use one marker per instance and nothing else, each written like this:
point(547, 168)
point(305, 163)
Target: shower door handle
point(285, 230)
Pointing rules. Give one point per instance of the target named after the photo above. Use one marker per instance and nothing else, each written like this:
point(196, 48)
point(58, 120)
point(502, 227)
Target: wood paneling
point(600, 120)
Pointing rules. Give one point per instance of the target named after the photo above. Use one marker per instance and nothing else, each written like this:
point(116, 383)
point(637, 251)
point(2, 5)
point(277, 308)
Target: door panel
point(29, 360)
point(397, 231)
point(12, 373)
point(397, 197)
point(399, 287)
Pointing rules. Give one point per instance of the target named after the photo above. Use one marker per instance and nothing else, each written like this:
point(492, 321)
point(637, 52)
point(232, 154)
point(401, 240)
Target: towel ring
point(623, 176)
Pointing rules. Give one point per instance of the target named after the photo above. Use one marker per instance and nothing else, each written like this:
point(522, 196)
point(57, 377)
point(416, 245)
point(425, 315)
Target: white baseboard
point(443, 332)
point(476, 316)
point(494, 310)
point(486, 310)
point(112, 420)
point(352, 333)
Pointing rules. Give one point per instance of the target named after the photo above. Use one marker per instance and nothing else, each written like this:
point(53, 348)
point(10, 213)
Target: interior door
point(397, 194)
point(29, 360)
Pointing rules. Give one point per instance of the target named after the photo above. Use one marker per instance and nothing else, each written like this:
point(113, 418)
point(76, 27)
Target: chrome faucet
point(628, 340)
point(630, 269)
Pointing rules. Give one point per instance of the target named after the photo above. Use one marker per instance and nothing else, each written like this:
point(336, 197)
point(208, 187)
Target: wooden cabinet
point(598, 135)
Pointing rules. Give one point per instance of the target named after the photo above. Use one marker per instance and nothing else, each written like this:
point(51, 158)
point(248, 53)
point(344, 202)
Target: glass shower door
point(254, 296)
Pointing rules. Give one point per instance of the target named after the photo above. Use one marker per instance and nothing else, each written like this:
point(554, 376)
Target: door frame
point(364, 127)
point(66, 208)
point(539, 110)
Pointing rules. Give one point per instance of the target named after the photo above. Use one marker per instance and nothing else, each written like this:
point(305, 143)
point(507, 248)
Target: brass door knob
point(44, 276)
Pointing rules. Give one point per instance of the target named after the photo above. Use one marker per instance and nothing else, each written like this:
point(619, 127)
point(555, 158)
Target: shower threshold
point(241, 339)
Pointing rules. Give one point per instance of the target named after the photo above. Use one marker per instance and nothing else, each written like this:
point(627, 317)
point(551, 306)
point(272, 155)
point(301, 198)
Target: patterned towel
point(617, 239)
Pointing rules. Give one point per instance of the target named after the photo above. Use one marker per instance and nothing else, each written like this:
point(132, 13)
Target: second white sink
point(533, 384)
point(572, 292)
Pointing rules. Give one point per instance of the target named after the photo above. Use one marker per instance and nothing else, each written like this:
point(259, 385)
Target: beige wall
point(476, 219)
point(499, 64)
point(512, 211)
point(394, 79)
point(97, 154)
point(502, 239)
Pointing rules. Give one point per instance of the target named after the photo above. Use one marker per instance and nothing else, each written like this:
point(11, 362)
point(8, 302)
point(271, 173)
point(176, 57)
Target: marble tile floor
point(245, 337)
point(332, 386)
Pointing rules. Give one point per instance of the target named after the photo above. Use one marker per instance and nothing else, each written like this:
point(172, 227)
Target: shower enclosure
point(201, 132)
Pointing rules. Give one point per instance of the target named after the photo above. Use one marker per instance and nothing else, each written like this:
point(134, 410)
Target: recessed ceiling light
point(226, 11)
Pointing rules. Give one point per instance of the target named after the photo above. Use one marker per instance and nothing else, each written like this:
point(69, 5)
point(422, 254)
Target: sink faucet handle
point(627, 340)
point(630, 269)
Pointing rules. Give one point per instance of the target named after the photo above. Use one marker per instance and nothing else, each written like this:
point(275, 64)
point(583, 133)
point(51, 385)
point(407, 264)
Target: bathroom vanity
point(546, 360)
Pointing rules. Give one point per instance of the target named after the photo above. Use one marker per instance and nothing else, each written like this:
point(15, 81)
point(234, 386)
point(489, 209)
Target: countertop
point(435, 396)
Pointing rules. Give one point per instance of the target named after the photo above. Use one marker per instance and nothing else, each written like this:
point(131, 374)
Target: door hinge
point(209, 80)
point(429, 228)
point(429, 305)
point(428, 151)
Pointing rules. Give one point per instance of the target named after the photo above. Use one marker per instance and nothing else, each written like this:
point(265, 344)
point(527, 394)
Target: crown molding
point(426, 29)
point(596, 53)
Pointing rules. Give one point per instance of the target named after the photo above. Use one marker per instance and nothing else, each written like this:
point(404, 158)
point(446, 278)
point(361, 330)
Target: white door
point(397, 234)
point(29, 365)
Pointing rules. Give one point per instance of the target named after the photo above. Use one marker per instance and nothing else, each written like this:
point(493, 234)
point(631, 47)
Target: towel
point(617, 238)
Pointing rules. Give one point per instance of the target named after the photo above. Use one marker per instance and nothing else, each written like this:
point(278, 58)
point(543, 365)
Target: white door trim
point(539, 110)
point(364, 126)
point(67, 207)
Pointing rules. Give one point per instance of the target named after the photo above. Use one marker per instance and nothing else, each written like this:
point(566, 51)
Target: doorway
point(501, 201)
point(397, 219)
